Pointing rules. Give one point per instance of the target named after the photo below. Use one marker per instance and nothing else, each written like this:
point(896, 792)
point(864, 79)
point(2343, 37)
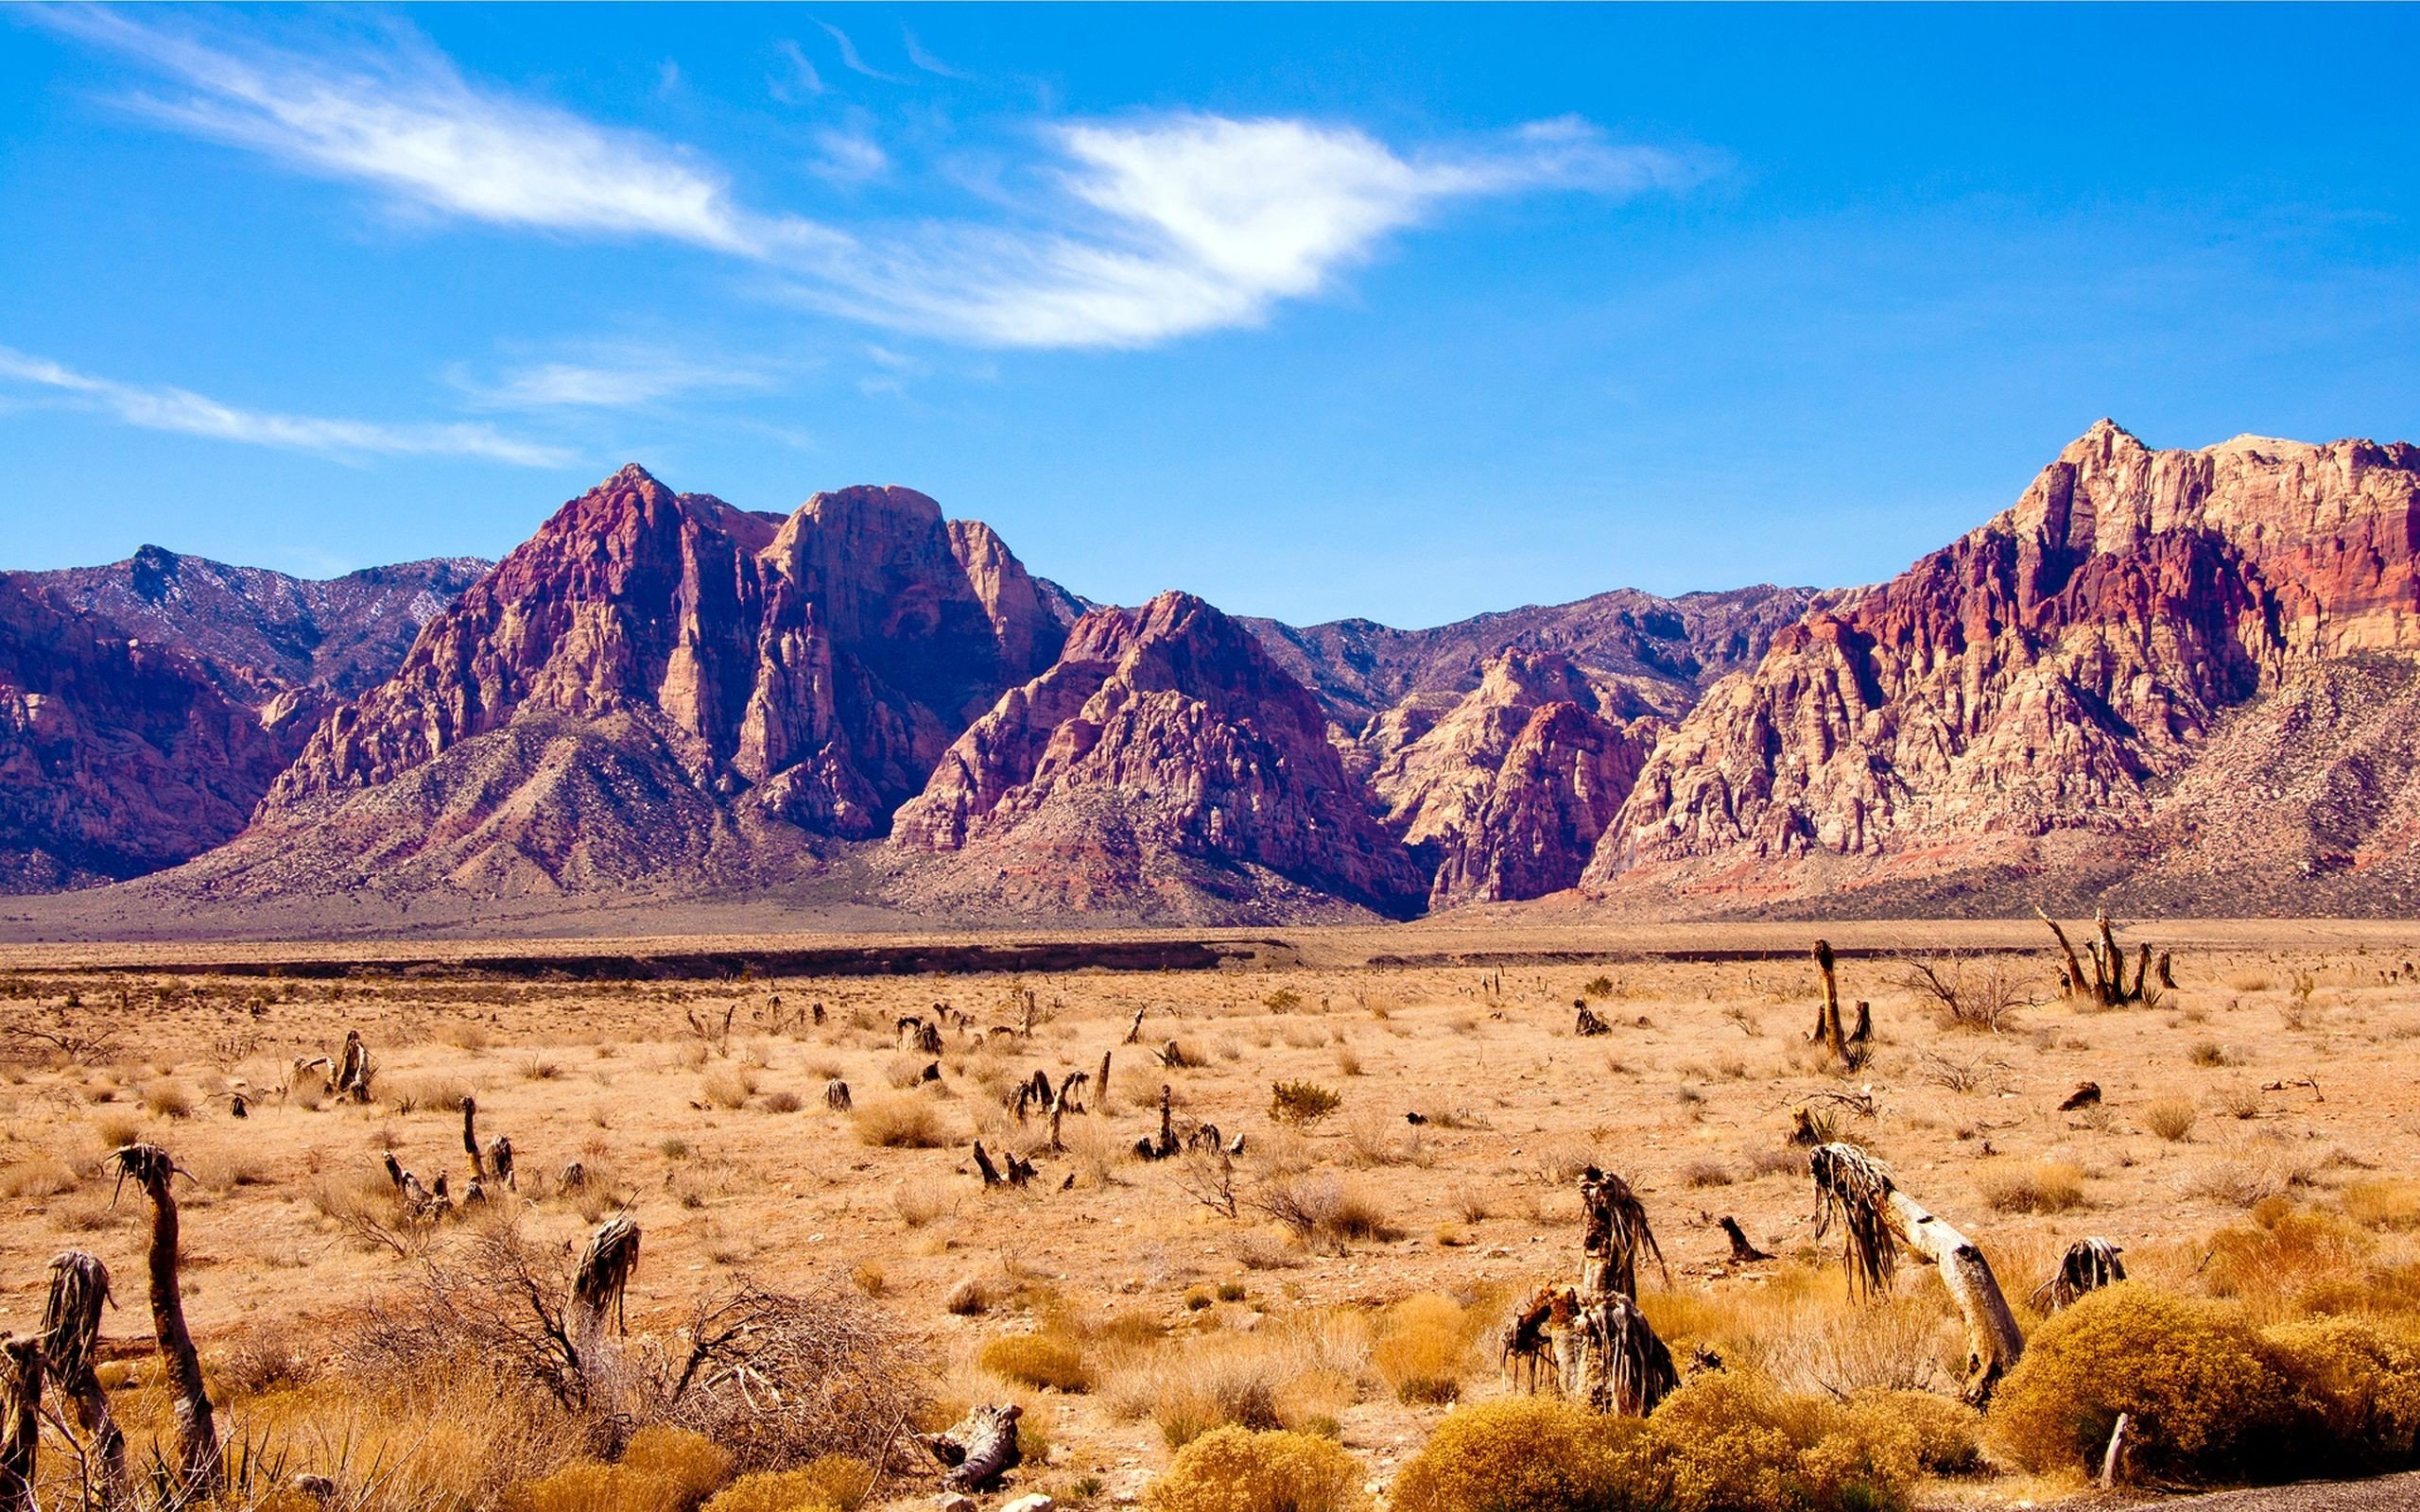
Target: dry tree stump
point(1742, 1252)
point(20, 1420)
point(980, 1450)
point(835, 1095)
point(2088, 1265)
point(1591, 1340)
point(1878, 1220)
point(150, 1168)
point(70, 1332)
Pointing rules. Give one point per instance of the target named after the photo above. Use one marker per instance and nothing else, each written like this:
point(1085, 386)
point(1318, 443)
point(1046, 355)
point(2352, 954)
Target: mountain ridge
point(660, 690)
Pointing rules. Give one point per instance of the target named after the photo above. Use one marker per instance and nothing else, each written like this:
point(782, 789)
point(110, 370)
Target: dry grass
point(2049, 1186)
point(2171, 1118)
point(902, 1120)
point(1304, 1317)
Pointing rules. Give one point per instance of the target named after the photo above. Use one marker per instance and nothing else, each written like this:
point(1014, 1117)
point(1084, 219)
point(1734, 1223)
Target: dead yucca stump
point(1591, 1341)
point(980, 1450)
point(198, 1465)
point(1856, 1196)
point(20, 1420)
point(71, 1331)
point(2088, 1265)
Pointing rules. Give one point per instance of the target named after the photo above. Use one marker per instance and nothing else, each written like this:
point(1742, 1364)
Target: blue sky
point(1403, 313)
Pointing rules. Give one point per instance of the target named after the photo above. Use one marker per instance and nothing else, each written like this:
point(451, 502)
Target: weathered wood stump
point(980, 1450)
point(150, 1168)
point(71, 1331)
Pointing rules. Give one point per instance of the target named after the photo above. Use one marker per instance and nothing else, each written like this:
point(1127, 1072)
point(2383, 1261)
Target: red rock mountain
point(1165, 765)
point(1664, 651)
point(1504, 791)
point(659, 686)
point(146, 706)
point(2035, 706)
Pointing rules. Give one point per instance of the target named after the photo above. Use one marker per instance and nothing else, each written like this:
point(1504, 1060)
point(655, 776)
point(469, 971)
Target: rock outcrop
point(259, 633)
point(117, 757)
point(1538, 823)
point(2050, 678)
point(819, 663)
point(1164, 766)
point(1664, 651)
point(146, 706)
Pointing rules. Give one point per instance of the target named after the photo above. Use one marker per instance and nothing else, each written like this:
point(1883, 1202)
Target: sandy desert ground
point(2280, 1066)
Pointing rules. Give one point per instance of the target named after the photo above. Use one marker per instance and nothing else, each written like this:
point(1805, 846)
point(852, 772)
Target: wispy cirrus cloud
point(930, 65)
point(850, 58)
point(1123, 234)
point(609, 377)
point(186, 413)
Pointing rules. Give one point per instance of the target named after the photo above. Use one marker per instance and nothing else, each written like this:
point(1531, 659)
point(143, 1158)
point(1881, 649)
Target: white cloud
point(849, 156)
point(187, 413)
point(926, 62)
point(849, 57)
point(406, 122)
point(1125, 233)
point(608, 378)
point(802, 81)
point(1199, 222)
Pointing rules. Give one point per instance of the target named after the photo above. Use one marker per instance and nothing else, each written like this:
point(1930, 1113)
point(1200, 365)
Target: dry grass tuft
point(2171, 1118)
point(901, 1120)
point(2048, 1186)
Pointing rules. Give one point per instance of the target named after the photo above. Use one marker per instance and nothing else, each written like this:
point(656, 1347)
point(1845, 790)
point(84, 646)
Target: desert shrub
point(1599, 987)
point(2387, 1204)
point(1730, 1440)
point(2046, 1186)
point(898, 1122)
point(775, 1376)
point(1302, 1103)
point(1423, 1345)
point(169, 1099)
point(1285, 1000)
point(2204, 1401)
point(35, 1178)
point(1238, 1469)
point(1037, 1360)
point(2355, 1390)
point(1520, 1455)
point(729, 1086)
point(830, 1481)
point(2171, 1118)
point(2209, 1053)
point(1321, 1208)
point(587, 1486)
point(784, 1101)
point(2283, 1250)
point(1288, 1374)
point(693, 1465)
point(1948, 1433)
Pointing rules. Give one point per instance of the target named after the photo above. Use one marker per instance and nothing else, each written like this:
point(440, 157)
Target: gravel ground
point(2385, 1493)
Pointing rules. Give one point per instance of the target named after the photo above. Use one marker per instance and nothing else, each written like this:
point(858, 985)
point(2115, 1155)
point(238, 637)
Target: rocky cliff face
point(2054, 674)
point(1663, 651)
point(1165, 765)
point(117, 757)
point(259, 633)
point(818, 665)
point(146, 706)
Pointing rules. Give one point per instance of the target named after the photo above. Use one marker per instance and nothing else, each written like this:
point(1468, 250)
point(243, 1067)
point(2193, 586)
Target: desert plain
point(1349, 1271)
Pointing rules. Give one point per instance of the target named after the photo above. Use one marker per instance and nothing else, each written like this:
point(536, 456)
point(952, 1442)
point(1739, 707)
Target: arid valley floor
point(2274, 1079)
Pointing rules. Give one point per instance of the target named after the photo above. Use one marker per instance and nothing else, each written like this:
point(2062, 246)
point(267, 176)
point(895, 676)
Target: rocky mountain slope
point(1663, 651)
point(658, 686)
point(1165, 765)
point(146, 706)
point(2079, 696)
point(2170, 680)
point(261, 633)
